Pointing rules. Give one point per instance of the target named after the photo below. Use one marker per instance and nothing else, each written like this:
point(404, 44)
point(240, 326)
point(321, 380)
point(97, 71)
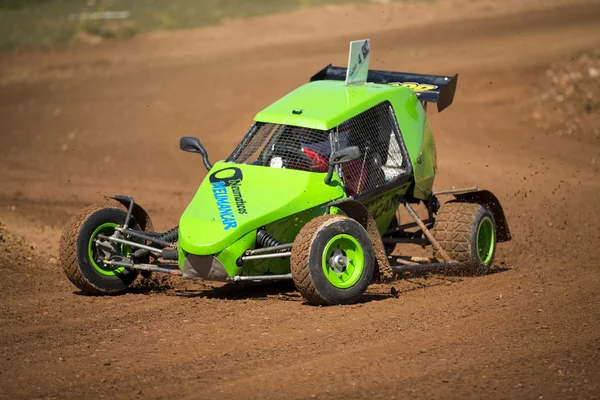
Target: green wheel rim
point(106, 229)
point(485, 240)
point(346, 250)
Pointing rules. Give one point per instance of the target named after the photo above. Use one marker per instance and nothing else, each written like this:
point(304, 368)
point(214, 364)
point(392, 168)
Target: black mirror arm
point(329, 174)
point(205, 161)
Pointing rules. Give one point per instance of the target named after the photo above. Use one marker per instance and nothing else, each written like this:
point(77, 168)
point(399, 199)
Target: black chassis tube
point(409, 240)
point(141, 216)
point(264, 250)
point(400, 230)
point(131, 232)
point(140, 235)
point(424, 267)
point(145, 222)
point(247, 137)
point(131, 202)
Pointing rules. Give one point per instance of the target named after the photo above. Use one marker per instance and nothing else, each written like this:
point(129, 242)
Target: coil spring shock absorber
point(263, 239)
point(169, 236)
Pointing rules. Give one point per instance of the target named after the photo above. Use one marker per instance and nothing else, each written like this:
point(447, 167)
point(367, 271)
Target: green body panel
point(383, 207)
point(326, 104)
point(214, 219)
point(418, 139)
point(180, 257)
point(230, 255)
point(284, 230)
point(424, 171)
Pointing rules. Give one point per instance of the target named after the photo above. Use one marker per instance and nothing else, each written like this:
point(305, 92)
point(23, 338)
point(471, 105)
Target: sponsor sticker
point(383, 205)
point(226, 182)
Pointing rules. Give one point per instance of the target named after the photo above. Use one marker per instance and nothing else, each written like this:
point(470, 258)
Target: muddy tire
point(78, 252)
point(467, 232)
point(332, 260)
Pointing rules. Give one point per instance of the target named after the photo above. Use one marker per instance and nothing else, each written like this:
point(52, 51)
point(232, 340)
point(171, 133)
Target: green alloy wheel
point(485, 240)
point(82, 251)
point(95, 254)
point(332, 260)
point(467, 232)
point(343, 261)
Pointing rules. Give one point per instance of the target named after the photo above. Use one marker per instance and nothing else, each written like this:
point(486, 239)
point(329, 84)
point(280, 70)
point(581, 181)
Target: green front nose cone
point(236, 199)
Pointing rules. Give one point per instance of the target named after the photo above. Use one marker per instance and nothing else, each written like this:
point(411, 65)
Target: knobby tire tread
point(68, 248)
point(299, 259)
point(453, 229)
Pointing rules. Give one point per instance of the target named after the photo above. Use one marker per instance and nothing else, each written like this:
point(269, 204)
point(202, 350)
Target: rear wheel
point(467, 232)
point(332, 260)
point(82, 251)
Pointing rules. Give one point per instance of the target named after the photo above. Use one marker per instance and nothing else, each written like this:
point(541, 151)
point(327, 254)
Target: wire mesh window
point(284, 146)
point(384, 159)
point(375, 132)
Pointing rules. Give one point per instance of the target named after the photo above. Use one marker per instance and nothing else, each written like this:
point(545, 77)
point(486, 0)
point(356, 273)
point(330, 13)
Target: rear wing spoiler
point(429, 88)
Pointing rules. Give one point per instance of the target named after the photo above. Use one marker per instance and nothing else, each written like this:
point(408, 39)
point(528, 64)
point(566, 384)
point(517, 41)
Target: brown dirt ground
point(90, 120)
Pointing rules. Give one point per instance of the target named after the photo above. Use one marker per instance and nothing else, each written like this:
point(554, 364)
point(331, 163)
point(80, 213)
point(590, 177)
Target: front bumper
point(203, 268)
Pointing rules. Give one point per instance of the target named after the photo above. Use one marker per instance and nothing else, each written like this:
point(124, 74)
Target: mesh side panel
point(376, 135)
point(251, 146)
point(375, 132)
point(284, 146)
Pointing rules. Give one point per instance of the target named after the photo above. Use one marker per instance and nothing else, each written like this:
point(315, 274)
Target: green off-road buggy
point(310, 194)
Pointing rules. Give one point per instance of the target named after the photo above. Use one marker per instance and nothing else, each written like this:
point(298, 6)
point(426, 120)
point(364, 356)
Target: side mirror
point(348, 154)
point(342, 156)
point(193, 145)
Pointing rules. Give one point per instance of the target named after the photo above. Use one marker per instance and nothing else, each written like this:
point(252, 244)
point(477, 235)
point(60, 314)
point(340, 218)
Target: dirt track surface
point(85, 121)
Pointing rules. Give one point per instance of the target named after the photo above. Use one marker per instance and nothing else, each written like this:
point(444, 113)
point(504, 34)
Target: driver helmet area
point(309, 150)
point(298, 148)
point(374, 131)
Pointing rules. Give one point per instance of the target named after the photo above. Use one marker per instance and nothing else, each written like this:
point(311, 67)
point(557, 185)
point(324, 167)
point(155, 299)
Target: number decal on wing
point(417, 87)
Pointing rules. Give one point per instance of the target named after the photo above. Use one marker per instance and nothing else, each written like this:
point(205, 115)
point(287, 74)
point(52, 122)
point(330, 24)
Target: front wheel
point(332, 260)
point(82, 251)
